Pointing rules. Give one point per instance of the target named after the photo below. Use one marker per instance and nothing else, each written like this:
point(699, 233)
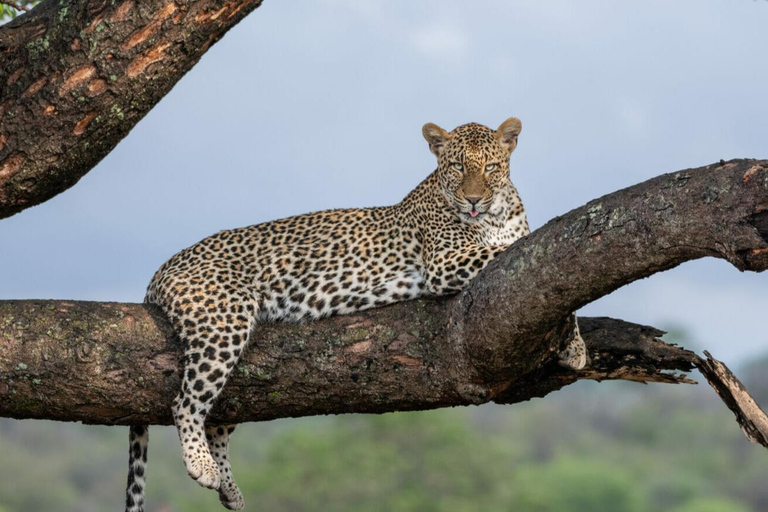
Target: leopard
point(433, 243)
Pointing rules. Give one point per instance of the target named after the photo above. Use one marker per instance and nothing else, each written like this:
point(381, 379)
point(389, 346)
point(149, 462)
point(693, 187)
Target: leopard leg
point(213, 343)
point(218, 443)
point(574, 355)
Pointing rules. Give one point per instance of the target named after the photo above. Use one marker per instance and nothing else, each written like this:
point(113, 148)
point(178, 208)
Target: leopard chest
point(507, 232)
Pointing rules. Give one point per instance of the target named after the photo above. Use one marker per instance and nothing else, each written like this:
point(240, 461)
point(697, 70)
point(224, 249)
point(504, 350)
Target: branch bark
point(718, 210)
point(117, 364)
point(496, 341)
point(76, 77)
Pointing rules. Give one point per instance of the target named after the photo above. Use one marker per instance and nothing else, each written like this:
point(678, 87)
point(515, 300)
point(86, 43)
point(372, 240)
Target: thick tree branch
point(117, 363)
point(76, 77)
point(720, 210)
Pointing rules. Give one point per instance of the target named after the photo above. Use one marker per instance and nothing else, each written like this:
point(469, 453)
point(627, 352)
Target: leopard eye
point(491, 167)
point(457, 166)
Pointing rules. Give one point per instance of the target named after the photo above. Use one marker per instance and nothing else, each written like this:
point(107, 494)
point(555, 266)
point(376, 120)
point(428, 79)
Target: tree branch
point(76, 77)
point(752, 419)
point(15, 5)
point(117, 363)
point(718, 210)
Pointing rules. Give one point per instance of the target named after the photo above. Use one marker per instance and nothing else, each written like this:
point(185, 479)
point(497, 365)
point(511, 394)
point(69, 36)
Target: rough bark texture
point(116, 363)
point(76, 76)
point(719, 210)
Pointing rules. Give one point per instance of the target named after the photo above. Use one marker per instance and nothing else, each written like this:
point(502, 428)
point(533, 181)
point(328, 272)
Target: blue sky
point(314, 105)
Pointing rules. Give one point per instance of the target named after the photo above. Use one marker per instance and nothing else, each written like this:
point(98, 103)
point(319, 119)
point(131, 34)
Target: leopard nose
point(473, 199)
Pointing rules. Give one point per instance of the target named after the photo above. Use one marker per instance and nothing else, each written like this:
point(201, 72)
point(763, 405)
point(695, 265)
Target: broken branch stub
point(749, 415)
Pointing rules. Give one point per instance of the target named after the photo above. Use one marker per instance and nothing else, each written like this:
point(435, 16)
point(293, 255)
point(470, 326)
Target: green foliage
point(608, 447)
point(8, 12)
point(404, 462)
point(711, 505)
point(612, 447)
point(575, 485)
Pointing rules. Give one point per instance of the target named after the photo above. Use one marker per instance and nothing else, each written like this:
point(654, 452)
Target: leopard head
point(473, 165)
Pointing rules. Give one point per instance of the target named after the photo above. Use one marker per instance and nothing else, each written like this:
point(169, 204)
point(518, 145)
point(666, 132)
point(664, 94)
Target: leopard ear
point(508, 132)
point(436, 136)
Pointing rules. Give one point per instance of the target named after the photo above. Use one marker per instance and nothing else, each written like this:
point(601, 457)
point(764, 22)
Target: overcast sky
point(314, 105)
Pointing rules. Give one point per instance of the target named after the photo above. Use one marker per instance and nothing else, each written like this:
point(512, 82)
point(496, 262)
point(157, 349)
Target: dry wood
point(749, 415)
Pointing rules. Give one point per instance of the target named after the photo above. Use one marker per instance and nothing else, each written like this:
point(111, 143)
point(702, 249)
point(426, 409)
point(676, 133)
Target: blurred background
point(313, 105)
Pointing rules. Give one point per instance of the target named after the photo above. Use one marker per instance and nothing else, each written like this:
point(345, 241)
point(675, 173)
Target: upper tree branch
point(117, 363)
point(720, 210)
point(76, 77)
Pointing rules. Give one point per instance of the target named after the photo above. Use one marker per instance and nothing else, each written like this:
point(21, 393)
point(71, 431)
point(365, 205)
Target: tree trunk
point(76, 77)
point(496, 341)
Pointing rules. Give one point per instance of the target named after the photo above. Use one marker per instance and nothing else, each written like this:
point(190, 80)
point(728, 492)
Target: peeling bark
point(749, 415)
point(76, 77)
point(117, 363)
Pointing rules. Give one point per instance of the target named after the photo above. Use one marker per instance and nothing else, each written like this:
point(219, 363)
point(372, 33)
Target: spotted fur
point(138, 441)
point(331, 262)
